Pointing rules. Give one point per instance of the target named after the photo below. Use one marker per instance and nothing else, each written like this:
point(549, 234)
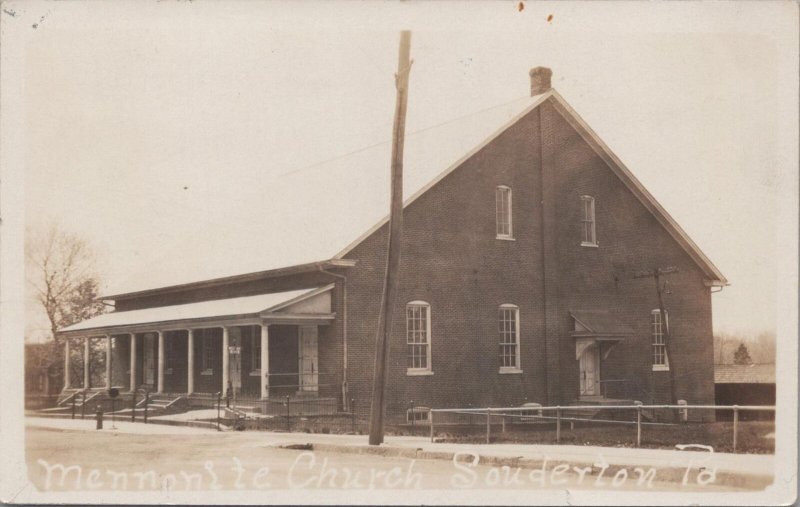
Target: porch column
point(86, 379)
point(133, 361)
point(264, 361)
point(67, 381)
point(108, 362)
point(190, 367)
point(224, 360)
point(160, 362)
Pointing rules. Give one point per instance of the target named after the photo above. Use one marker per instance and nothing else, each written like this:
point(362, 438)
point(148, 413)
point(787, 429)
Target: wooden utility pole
point(391, 280)
point(656, 274)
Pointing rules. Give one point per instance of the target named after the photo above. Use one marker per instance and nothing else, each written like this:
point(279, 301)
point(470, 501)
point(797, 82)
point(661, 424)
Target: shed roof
point(601, 323)
point(744, 373)
point(218, 308)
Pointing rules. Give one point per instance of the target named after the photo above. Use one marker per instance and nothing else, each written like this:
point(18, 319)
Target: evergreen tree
point(742, 356)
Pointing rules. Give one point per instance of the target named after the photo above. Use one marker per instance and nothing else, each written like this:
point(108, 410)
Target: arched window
point(502, 196)
point(658, 331)
point(508, 326)
point(418, 338)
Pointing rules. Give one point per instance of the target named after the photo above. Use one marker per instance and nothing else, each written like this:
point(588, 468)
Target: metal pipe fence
point(534, 414)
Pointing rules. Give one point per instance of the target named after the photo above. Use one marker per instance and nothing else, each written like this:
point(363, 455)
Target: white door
point(589, 371)
point(308, 358)
point(149, 359)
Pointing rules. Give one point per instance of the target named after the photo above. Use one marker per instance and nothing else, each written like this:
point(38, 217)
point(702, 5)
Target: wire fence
point(638, 416)
point(626, 425)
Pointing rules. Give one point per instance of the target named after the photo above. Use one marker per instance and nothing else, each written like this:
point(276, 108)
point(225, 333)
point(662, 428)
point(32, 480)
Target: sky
point(185, 137)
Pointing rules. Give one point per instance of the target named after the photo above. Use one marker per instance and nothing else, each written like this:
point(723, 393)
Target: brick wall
point(629, 240)
point(452, 260)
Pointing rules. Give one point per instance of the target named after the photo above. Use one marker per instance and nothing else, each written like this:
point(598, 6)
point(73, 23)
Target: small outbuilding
point(745, 384)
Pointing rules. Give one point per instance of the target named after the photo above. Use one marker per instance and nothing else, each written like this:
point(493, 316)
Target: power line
point(388, 141)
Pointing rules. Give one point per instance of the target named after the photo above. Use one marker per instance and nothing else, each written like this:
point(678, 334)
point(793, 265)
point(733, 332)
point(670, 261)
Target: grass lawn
point(752, 435)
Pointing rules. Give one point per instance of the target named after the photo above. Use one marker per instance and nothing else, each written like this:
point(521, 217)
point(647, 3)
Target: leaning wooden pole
point(668, 341)
point(391, 280)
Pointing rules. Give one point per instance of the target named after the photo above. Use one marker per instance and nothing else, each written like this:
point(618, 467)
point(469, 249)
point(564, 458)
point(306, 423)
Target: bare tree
point(61, 273)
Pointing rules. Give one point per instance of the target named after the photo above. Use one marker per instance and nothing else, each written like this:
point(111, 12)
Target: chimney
point(540, 80)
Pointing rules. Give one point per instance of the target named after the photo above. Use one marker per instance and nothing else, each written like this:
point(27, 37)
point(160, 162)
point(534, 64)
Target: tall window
point(660, 360)
point(207, 352)
point(502, 196)
point(588, 222)
point(418, 336)
point(508, 321)
point(255, 341)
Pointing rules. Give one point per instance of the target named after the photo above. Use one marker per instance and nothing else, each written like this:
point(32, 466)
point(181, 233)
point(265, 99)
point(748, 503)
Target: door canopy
point(595, 326)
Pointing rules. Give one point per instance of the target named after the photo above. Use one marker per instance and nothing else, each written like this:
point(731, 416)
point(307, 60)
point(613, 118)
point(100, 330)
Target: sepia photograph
point(508, 252)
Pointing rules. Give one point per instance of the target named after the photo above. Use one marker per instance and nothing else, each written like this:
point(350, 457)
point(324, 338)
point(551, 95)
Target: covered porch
point(257, 346)
point(596, 333)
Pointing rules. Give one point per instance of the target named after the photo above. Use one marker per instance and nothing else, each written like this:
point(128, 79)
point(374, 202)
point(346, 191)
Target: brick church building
point(517, 285)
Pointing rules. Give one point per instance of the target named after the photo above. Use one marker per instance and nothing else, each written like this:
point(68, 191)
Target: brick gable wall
point(452, 260)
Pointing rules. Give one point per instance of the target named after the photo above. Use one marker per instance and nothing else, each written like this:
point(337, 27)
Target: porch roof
point(599, 324)
point(261, 305)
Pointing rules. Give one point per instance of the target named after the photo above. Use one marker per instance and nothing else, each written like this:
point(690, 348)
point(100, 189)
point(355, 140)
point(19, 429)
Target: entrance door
point(589, 371)
point(308, 358)
point(149, 359)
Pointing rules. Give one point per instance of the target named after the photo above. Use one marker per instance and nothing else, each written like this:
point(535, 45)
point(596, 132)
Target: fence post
point(83, 404)
point(353, 415)
point(74, 395)
point(488, 424)
point(133, 407)
point(146, 402)
point(558, 424)
point(219, 407)
point(288, 424)
point(735, 425)
point(638, 425)
point(412, 413)
point(430, 420)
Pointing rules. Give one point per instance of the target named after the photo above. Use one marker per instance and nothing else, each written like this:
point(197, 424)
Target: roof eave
point(455, 165)
point(257, 275)
point(636, 187)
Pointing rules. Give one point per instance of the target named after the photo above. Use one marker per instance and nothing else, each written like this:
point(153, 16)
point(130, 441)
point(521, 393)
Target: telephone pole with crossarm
point(656, 274)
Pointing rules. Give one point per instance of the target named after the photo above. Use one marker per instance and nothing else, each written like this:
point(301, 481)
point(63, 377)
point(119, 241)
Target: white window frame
point(427, 369)
point(503, 209)
point(418, 414)
point(658, 339)
point(588, 217)
point(517, 367)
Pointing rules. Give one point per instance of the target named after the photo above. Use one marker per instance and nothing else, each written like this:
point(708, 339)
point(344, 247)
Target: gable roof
point(715, 277)
point(448, 145)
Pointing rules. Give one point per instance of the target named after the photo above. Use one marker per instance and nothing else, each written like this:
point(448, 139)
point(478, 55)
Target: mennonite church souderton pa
point(517, 286)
